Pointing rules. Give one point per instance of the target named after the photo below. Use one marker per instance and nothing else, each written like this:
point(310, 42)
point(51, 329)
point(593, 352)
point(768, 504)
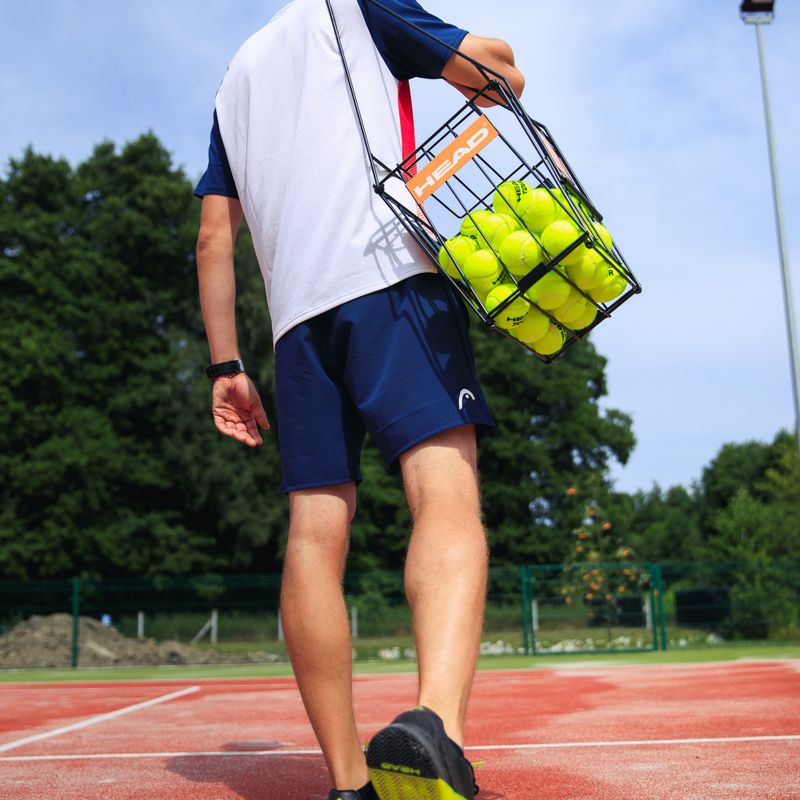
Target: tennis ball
point(483, 271)
point(532, 328)
point(558, 236)
point(613, 285)
point(488, 230)
point(520, 253)
point(470, 222)
point(513, 222)
point(600, 268)
point(583, 272)
point(585, 319)
point(551, 342)
point(571, 308)
point(563, 208)
point(512, 198)
point(605, 236)
point(514, 313)
point(457, 249)
point(541, 211)
point(549, 292)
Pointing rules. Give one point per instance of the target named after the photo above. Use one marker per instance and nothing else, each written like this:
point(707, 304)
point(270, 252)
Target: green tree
point(737, 466)
point(108, 460)
point(760, 522)
point(758, 531)
point(665, 524)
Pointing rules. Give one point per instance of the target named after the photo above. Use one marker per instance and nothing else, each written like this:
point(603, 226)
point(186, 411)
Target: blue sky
point(657, 105)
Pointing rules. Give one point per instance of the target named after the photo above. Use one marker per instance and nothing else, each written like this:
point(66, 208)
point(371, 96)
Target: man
point(367, 337)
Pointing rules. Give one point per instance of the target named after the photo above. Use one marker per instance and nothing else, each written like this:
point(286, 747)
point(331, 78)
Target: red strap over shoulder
point(407, 135)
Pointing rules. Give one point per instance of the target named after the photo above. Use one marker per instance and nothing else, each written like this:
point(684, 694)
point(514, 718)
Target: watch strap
point(225, 368)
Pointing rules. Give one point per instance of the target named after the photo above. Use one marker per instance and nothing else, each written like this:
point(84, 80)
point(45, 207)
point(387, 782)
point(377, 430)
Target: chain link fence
point(531, 610)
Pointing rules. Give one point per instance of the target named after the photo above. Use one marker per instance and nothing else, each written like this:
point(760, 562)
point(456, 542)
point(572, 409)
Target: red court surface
point(694, 732)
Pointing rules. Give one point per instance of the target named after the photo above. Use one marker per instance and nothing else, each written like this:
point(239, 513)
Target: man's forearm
point(219, 223)
point(215, 275)
point(495, 54)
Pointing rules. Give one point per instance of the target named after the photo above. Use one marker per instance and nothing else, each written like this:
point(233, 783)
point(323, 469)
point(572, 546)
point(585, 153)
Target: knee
point(320, 520)
point(454, 497)
point(330, 539)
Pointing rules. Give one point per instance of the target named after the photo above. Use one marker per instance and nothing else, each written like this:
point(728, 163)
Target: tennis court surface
point(704, 731)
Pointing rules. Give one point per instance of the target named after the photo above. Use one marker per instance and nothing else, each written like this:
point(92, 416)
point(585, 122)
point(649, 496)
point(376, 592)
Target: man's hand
point(237, 410)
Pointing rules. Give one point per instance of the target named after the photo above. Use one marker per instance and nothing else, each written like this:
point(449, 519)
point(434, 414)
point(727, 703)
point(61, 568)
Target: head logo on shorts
point(461, 150)
point(465, 394)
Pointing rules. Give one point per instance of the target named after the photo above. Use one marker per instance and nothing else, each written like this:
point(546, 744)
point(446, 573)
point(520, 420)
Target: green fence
point(606, 607)
point(531, 610)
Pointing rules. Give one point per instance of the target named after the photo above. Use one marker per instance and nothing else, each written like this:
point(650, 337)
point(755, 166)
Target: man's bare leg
point(446, 570)
point(316, 627)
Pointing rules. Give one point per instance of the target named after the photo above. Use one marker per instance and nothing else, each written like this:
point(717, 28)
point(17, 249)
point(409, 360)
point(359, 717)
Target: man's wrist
point(225, 368)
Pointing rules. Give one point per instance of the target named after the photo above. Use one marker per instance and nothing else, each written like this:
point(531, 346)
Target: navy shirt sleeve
point(217, 178)
point(408, 52)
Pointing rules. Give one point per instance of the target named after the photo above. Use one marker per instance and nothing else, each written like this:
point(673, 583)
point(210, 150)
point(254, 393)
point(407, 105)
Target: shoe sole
point(400, 768)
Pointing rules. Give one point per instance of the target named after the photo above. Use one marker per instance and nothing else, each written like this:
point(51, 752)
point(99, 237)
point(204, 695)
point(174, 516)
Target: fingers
point(240, 435)
point(244, 431)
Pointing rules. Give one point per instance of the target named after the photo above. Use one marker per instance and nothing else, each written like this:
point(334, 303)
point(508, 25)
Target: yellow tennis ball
point(549, 292)
point(512, 198)
point(558, 236)
point(520, 253)
point(453, 253)
point(551, 342)
point(563, 208)
point(585, 319)
point(601, 266)
point(532, 328)
point(571, 308)
point(469, 225)
point(483, 271)
point(582, 273)
point(541, 211)
point(605, 236)
point(514, 313)
point(488, 230)
point(613, 285)
point(513, 222)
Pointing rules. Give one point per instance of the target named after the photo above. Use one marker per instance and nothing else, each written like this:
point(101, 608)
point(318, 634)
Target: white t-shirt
point(290, 137)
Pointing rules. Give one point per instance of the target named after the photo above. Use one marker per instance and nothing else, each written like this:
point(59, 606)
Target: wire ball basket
point(503, 216)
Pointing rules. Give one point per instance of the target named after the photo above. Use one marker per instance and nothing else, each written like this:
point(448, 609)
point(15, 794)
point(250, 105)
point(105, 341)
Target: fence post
point(354, 622)
point(140, 625)
point(662, 624)
point(523, 586)
point(214, 625)
point(76, 610)
point(533, 601)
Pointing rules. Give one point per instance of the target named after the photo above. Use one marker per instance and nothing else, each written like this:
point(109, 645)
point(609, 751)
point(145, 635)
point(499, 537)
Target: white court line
point(99, 718)
point(312, 752)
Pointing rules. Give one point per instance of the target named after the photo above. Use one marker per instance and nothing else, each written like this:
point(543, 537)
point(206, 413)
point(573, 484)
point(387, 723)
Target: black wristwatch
point(225, 368)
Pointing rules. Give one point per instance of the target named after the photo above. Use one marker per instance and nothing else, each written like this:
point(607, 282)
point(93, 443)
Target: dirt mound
point(46, 642)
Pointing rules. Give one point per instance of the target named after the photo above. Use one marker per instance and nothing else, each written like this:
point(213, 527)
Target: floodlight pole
point(758, 20)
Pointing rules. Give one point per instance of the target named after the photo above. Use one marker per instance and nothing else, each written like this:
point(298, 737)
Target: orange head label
point(461, 150)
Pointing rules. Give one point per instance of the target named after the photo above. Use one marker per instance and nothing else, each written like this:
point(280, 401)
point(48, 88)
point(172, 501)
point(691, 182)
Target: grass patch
point(727, 652)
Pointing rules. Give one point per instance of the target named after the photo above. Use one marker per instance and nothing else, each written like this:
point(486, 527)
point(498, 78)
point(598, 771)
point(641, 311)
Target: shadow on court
point(258, 777)
point(288, 777)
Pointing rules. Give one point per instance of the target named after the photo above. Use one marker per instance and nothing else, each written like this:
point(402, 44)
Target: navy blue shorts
point(397, 363)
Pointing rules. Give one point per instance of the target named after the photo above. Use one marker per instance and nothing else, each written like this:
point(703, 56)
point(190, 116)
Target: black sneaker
point(414, 759)
point(364, 793)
